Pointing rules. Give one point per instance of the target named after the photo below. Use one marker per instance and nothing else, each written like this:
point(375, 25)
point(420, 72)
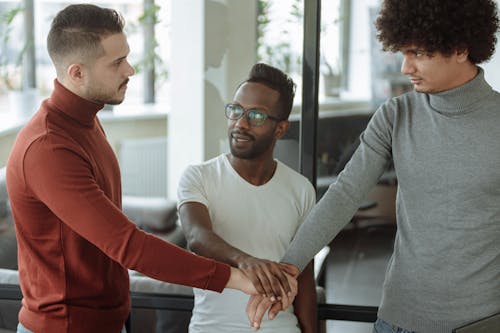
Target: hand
point(269, 277)
point(257, 307)
point(287, 300)
point(238, 280)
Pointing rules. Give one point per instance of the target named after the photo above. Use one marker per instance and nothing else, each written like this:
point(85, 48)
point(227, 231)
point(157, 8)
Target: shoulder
point(203, 172)
point(294, 179)
point(207, 168)
point(402, 103)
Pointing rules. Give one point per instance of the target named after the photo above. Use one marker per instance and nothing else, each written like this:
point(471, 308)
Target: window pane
point(45, 10)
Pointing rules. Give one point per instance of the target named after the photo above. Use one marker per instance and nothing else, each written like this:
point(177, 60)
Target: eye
point(119, 61)
point(257, 115)
point(236, 109)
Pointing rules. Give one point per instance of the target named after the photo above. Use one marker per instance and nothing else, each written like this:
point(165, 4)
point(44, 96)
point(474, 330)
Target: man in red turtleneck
point(63, 179)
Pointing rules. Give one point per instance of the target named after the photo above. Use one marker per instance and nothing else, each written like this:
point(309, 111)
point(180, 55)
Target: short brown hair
point(78, 29)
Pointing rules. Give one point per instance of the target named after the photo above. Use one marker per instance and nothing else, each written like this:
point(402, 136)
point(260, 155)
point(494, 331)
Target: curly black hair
point(441, 26)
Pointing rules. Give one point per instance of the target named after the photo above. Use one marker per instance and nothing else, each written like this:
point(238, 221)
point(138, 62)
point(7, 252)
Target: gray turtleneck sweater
point(445, 268)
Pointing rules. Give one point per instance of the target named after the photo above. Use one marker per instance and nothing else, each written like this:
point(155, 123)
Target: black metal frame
point(310, 79)
point(308, 142)
point(367, 314)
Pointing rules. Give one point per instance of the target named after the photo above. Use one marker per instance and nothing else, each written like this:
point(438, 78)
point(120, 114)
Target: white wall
point(213, 48)
point(492, 68)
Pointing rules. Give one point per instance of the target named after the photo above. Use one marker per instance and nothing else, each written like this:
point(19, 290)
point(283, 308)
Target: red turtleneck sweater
point(75, 244)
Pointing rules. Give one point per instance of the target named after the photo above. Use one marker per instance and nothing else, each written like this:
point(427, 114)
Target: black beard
point(258, 148)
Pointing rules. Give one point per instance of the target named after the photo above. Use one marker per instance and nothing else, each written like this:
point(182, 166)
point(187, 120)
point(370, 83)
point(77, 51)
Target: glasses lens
point(256, 117)
point(234, 111)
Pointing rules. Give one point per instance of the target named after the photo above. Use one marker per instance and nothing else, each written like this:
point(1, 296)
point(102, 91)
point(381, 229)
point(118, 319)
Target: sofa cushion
point(3, 193)
point(8, 245)
point(151, 214)
point(9, 276)
point(145, 284)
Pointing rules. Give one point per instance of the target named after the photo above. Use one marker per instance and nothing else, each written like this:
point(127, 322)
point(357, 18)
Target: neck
point(69, 86)
point(463, 98)
point(256, 171)
point(467, 74)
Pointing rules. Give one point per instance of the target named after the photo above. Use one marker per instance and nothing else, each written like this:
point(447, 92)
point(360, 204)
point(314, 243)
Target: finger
point(294, 284)
point(269, 284)
point(282, 284)
point(260, 311)
point(285, 301)
point(290, 269)
point(255, 281)
point(273, 311)
point(251, 308)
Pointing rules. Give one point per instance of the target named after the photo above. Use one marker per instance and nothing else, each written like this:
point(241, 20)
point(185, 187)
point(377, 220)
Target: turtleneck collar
point(461, 99)
point(74, 106)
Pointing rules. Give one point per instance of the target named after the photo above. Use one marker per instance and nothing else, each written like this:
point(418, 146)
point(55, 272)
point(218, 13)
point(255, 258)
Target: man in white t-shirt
point(244, 207)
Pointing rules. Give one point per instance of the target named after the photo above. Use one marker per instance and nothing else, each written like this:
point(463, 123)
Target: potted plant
point(332, 77)
point(22, 99)
point(278, 52)
point(10, 71)
point(151, 63)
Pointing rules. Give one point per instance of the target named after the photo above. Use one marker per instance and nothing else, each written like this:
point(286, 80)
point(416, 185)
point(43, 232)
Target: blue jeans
point(22, 329)
point(384, 327)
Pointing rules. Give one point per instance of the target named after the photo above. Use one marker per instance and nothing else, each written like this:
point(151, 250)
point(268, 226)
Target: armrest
point(151, 214)
point(9, 276)
point(3, 193)
point(144, 284)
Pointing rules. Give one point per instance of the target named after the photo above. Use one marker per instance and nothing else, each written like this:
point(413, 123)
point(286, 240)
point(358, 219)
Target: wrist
point(235, 279)
point(240, 259)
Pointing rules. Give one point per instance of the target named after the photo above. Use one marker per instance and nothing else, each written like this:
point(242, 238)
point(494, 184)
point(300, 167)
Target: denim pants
point(22, 329)
point(384, 327)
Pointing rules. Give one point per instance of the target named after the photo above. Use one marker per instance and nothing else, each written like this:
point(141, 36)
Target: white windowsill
point(12, 122)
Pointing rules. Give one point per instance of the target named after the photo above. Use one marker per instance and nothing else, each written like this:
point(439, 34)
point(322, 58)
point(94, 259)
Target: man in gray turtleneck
point(444, 140)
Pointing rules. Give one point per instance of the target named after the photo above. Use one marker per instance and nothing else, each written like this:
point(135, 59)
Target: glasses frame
point(246, 112)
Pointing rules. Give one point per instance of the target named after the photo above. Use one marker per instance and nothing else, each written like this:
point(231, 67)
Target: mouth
point(123, 85)
point(240, 137)
point(415, 81)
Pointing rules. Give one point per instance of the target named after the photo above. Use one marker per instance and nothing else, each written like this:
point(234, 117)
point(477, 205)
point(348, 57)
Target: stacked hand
point(275, 283)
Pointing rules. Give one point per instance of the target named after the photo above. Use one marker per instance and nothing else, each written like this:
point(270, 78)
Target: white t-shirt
point(259, 220)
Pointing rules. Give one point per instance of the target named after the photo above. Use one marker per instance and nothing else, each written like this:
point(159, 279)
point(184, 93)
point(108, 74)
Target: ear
point(76, 73)
point(281, 129)
point(462, 55)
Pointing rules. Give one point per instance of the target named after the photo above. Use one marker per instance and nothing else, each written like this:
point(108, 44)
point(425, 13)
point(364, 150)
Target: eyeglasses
point(255, 117)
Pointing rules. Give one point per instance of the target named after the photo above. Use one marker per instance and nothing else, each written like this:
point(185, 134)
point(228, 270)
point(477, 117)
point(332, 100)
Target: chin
point(114, 101)
point(244, 155)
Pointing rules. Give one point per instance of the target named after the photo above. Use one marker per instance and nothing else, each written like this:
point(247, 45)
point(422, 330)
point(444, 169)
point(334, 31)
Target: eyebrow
point(120, 59)
point(263, 108)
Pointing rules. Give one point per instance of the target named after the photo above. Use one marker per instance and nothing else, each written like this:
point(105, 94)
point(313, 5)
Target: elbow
point(194, 244)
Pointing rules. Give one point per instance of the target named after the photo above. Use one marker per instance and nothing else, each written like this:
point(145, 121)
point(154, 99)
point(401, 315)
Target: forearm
point(208, 244)
point(336, 207)
point(305, 305)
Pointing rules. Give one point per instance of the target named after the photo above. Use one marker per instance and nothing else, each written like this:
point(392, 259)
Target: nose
point(407, 66)
point(242, 122)
point(130, 70)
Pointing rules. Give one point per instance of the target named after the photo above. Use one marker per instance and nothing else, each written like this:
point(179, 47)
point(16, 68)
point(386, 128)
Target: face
point(246, 141)
point(433, 73)
point(107, 77)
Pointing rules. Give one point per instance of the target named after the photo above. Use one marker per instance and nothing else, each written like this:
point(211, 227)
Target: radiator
point(143, 164)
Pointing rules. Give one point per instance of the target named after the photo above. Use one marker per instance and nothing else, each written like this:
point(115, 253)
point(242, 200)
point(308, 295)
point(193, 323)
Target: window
point(44, 11)
point(280, 31)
